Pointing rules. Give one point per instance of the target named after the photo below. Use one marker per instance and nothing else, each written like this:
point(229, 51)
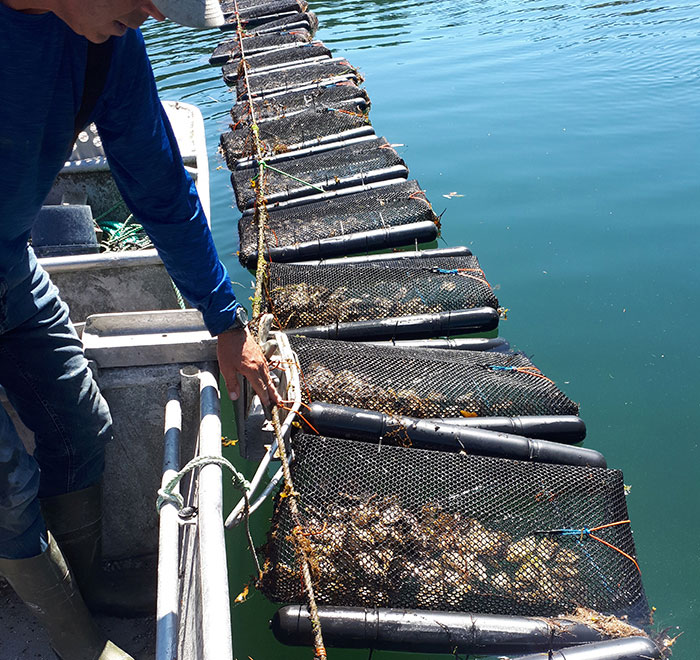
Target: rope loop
point(166, 495)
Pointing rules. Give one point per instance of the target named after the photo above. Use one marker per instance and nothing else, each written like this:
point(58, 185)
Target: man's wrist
point(240, 322)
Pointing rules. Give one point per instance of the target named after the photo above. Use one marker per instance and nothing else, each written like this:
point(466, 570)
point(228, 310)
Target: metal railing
point(193, 611)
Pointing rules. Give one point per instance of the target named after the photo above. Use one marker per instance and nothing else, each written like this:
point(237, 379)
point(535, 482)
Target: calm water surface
point(570, 135)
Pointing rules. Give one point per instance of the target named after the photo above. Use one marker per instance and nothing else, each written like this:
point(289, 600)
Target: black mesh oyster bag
point(303, 295)
point(325, 221)
point(309, 76)
point(275, 59)
point(295, 175)
point(413, 528)
point(348, 98)
point(304, 129)
point(231, 48)
point(426, 383)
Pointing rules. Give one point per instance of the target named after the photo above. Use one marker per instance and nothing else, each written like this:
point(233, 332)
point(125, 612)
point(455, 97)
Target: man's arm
point(147, 167)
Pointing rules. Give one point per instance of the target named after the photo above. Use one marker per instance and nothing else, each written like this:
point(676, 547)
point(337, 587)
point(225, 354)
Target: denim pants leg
point(47, 380)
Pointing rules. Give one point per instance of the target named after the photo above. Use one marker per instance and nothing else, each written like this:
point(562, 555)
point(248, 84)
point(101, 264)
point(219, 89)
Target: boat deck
point(24, 637)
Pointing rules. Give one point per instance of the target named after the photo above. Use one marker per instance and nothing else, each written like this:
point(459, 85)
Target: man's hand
point(239, 353)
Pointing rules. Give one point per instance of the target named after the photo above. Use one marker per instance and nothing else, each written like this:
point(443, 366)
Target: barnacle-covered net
point(388, 206)
point(412, 528)
point(300, 295)
point(349, 98)
point(305, 76)
point(300, 176)
point(295, 131)
point(426, 383)
point(231, 48)
point(268, 24)
point(280, 58)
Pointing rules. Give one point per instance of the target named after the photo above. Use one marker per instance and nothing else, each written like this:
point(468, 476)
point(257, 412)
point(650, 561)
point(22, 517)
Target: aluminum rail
point(71, 263)
point(207, 617)
point(167, 607)
point(216, 614)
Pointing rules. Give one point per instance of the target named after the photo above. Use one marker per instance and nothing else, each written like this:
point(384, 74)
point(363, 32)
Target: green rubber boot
point(75, 520)
point(47, 587)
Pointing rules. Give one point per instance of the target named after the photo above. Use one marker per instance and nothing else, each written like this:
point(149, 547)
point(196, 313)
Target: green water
point(570, 133)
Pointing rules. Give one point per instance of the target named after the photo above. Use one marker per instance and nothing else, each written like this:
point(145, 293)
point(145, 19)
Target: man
point(50, 90)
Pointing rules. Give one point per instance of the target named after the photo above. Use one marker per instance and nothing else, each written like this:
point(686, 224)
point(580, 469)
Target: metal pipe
point(216, 615)
point(167, 608)
point(103, 260)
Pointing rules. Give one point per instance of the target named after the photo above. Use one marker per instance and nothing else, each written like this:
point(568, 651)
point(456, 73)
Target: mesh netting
point(352, 164)
point(231, 49)
point(298, 130)
point(305, 20)
point(411, 528)
point(302, 76)
point(253, 8)
point(300, 295)
point(345, 97)
point(388, 206)
point(426, 382)
point(275, 59)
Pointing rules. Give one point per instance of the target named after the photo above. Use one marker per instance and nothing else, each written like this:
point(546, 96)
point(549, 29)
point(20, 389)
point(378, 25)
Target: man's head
point(100, 19)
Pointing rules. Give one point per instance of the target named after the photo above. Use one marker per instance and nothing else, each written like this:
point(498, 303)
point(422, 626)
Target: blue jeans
point(47, 380)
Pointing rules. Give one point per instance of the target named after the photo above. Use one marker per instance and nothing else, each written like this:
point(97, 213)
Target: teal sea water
point(562, 142)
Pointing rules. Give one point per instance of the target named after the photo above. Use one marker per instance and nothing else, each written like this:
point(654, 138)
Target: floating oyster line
point(309, 186)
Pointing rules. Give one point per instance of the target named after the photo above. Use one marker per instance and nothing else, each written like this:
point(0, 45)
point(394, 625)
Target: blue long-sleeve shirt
point(41, 84)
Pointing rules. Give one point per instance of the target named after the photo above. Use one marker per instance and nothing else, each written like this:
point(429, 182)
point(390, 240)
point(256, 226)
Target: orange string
point(533, 371)
point(415, 194)
point(464, 272)
point(306, 421)
point(348, 112)
point(622, 552)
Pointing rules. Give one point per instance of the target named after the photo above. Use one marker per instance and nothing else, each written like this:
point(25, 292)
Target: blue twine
point(574, 532)
point(601, 574)
point(445, 271)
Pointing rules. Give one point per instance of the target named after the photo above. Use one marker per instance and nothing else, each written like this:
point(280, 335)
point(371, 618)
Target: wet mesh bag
point(413, 528)
point(305, 20)
point(348, 98)
point(299, 176)
point(304, 225)
point(231, 49)
point(272, 60)
point(297, 131)
point(300, 295)
point(427, 382)
point(305, 76)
